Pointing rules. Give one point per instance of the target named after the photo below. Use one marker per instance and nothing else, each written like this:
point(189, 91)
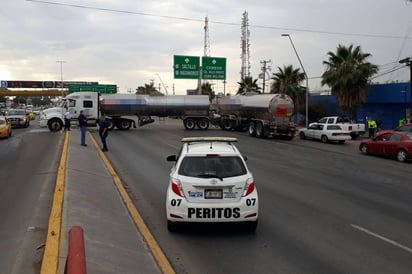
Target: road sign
point(213, 68)
point(186, 67)
point(93, 88)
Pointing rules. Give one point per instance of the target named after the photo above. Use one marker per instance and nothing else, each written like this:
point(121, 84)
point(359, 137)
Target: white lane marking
point(382, 238)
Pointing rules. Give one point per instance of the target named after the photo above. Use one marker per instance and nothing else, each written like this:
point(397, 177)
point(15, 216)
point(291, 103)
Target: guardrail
point(76, 256)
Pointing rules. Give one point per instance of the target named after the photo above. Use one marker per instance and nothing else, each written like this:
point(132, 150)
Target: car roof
point(196, 146)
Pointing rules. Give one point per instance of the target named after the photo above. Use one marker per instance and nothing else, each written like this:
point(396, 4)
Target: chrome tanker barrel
point(163, 106)
point(257, 106)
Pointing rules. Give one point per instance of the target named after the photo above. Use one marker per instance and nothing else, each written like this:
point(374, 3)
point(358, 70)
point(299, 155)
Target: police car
point(210, 182)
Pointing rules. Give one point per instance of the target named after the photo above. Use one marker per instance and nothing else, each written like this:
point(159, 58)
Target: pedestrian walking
point(67, 119)
point(103, 131)
point(83, 126)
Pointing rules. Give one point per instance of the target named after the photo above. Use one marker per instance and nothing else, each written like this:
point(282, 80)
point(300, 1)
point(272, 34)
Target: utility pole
point(61, 75)
point(266, 65)
point(408, 62)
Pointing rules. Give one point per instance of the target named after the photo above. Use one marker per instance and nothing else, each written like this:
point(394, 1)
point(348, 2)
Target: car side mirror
point(171, 158)
point(245, 158)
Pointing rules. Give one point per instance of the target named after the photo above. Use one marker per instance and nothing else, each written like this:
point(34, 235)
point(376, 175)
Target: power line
point(221, 22)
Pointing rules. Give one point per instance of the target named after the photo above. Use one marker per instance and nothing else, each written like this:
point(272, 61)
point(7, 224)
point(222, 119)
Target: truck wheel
point(227, 125)
point(252, 129)
point(124, 124)
point(203, 124)
point(189, 123)
point(324, 139)
point(260, 130)
point(55, 125)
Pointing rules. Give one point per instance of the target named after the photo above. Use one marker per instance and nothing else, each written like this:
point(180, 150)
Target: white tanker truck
point(262, 115)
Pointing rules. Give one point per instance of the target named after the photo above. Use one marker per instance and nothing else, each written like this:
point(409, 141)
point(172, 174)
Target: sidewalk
point(113, 244)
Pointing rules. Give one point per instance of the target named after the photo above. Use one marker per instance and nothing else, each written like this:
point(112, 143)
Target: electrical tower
point(207, 42)
point(244, 44)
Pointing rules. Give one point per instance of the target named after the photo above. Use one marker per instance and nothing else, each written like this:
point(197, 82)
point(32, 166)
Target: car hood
point(15, 116)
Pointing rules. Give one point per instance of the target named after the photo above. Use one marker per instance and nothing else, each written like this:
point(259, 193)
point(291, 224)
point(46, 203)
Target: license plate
point(213, 193)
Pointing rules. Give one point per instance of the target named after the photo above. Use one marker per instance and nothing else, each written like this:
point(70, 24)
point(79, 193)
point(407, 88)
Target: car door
point(317, 133)
point(310, 132)
point(375, 146)
point(390, 146)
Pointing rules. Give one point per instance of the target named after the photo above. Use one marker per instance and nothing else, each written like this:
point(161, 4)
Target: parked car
point(18, 117)
point(390, 144)
point(5, 127)
point(210, 182)
point(325, 133)
point(402, 128)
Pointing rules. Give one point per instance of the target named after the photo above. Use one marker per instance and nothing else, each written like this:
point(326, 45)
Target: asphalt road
point(28, 165)
point(324, 208)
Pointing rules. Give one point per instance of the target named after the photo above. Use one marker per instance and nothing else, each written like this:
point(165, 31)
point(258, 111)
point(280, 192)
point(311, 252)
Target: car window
point(203, 166)
point(395, 137)
point(404, 128)
point(2, 122)
point(330, 120)
point(323, 120)
point(334, 127)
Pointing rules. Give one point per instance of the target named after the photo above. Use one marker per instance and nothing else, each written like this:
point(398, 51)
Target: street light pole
point(408, 62)
point(306, 77)
point(61, 74)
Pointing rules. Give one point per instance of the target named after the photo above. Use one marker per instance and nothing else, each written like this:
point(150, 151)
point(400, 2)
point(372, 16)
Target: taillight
point(177, 188)
point(249, 187)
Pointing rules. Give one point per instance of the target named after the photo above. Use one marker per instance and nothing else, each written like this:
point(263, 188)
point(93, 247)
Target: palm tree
point(248, 85)
point(347, 73)
point(146, 89)
point(206, 89)
point(287, 80)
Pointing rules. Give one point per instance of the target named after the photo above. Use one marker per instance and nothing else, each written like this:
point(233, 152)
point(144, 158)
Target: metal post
point(408, 62)
point(307, 80)
point(61, 75)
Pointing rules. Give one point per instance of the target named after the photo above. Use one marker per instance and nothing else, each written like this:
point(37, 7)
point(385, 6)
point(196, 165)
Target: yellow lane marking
point(154, 247)
point(51, 252)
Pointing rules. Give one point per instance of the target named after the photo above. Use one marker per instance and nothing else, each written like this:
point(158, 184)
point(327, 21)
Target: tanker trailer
point(192, 109)
point(261, 115)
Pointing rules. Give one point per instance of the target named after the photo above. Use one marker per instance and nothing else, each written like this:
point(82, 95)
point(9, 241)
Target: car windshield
point(210, 167)
point(16, 112)
point(2, 122)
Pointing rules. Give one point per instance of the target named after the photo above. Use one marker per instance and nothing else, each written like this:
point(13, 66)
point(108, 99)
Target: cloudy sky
point(132, 42)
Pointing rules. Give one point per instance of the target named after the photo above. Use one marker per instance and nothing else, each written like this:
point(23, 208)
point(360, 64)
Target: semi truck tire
point(203, 124)
point(252, 129)
point(226, 125)
point(189, 123)
point(55, 125)
point(123, 124)
point(260, 130)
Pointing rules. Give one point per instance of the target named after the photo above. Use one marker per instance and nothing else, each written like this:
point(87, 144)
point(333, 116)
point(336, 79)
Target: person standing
point(371, 127)
point(67, 119)
point(103, 131)
point(83, 126)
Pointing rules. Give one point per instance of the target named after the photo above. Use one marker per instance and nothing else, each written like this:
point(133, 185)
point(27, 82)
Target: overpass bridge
point(32, 93)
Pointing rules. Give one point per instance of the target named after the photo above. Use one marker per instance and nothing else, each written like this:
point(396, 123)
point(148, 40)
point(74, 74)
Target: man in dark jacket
point(83, 126)
point(103, 131)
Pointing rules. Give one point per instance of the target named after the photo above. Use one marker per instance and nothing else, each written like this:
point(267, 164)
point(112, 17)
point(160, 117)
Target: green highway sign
point(93, 88)
point(186, 67)
point(213, 68)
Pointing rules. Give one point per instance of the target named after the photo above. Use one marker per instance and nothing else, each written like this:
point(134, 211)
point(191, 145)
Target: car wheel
point(324, 139)
point(171, 226)
point(251, 226)
point(302, 135)
point(401, 155)
point(364, 149)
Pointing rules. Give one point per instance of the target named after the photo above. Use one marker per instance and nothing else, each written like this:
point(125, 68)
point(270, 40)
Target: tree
point(148, 89)
point(206, 89)
point(248, 85)
point(347, 73)
point(287, 80)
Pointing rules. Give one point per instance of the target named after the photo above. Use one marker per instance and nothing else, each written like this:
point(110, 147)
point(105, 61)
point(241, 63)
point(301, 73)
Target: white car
point(325, 133)
point(210, 182)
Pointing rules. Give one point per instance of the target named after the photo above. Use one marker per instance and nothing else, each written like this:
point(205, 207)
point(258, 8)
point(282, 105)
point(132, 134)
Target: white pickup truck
point(355, 129)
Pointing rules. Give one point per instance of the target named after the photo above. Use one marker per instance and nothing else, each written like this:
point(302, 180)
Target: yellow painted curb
point(154, 247)
point(50, 261)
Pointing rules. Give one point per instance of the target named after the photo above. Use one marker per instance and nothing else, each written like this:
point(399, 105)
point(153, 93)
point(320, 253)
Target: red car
point(393, 144)
point(402, 128)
